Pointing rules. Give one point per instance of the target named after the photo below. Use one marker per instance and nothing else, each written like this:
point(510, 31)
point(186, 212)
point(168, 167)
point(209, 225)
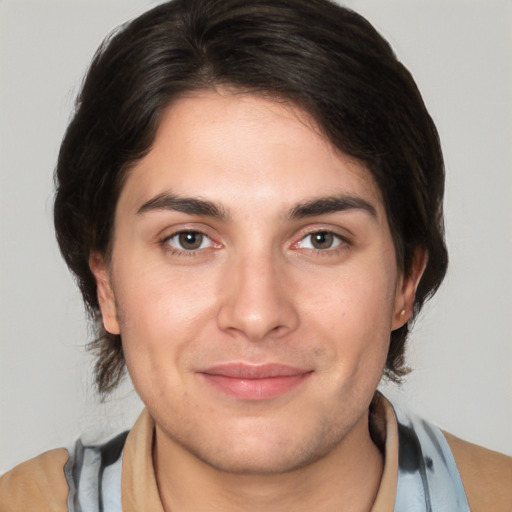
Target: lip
point(254, 382)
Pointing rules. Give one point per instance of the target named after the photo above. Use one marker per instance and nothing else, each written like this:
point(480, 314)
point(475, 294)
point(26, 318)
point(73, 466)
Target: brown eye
point(189, 241)
point(320, 241)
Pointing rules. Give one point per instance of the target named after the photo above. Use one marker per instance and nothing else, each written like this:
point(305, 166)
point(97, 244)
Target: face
point(253, 280)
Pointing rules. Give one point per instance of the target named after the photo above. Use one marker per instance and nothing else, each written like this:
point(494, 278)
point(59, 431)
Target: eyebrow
point(195, 206)
point(333, 204)
point(190, 205)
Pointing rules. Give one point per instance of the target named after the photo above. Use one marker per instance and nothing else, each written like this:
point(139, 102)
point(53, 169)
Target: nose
point(257, 302)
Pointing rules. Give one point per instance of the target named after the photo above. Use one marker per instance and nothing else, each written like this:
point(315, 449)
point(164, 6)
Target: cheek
point(354, 310)
point(160, 313)
point(360, 301)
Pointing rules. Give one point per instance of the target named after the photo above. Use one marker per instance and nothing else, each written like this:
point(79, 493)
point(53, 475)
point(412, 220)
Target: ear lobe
point(406, 290)
point(105, 293)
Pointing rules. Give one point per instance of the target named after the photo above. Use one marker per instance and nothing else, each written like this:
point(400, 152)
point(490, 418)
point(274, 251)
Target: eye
point(189, 241)
point(320, 240)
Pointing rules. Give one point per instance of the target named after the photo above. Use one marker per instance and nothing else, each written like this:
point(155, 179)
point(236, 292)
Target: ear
point(105, 292)
point(406, 289)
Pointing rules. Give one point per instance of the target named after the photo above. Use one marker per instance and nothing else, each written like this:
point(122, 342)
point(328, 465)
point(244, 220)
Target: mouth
point(254, 382)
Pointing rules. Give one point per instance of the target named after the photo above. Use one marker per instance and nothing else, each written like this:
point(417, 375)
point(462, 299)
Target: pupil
point(322, 240)
point(190, 241)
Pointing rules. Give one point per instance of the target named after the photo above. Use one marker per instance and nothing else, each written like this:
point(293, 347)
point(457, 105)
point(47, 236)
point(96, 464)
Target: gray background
point(460, 53)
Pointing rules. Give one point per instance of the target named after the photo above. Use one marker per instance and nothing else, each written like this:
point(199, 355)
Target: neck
point(347, 478)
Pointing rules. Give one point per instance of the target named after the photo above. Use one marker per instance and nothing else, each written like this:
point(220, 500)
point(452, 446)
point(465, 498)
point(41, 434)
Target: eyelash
point(164, 242)
point(341, 243)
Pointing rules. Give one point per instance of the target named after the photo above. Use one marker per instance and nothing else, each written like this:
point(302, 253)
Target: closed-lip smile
point(254, 381)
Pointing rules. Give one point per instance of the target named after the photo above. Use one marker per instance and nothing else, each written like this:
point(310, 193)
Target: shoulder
point(486, 475)
point(37, 484)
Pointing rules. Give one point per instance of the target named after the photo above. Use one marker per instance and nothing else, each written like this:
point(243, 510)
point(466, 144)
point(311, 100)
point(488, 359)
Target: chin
point(259, 462)
point(266, 451)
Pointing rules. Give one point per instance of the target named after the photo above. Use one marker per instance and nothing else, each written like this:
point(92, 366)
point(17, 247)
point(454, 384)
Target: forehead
point(238, 149)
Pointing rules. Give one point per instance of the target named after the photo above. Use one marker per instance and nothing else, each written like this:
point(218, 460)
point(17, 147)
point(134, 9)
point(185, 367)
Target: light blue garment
point(93, 473)
point(428, 479)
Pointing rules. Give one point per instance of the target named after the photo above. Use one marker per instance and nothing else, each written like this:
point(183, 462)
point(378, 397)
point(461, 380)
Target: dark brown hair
point(315, 54)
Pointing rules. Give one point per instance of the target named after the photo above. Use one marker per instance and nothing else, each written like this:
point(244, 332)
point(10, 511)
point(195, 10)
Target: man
point(250, 197)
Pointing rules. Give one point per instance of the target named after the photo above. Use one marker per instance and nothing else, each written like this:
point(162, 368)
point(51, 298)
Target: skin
point(258, 289)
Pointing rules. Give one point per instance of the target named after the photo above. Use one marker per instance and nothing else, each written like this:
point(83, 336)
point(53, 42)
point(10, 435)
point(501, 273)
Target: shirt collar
point(140, 490)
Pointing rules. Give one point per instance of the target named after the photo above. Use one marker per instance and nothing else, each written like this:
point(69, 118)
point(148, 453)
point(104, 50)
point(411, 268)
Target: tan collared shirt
point(40, 485)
